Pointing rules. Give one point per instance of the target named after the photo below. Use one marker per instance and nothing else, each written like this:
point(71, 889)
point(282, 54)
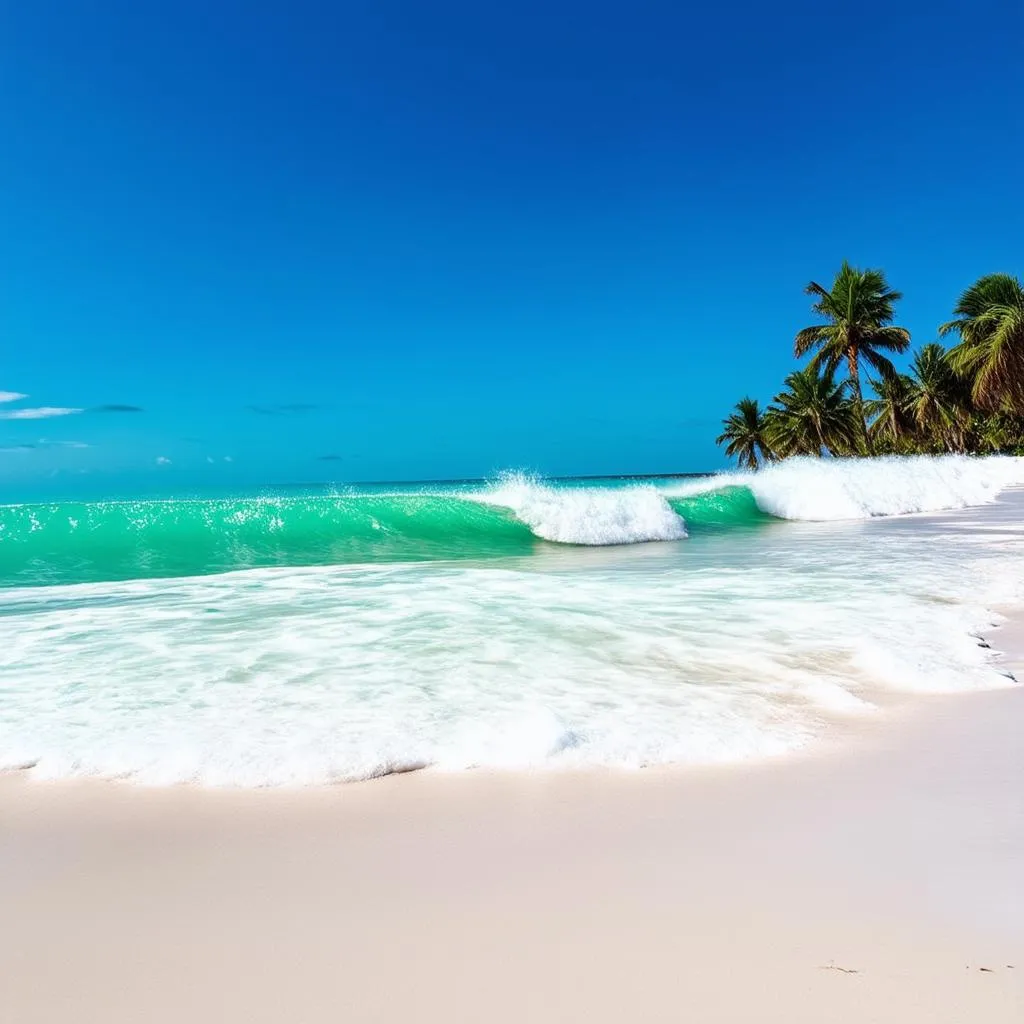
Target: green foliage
point(891, 423)
point(938, 400)
point(812, 415)
point(968, 399)
point(745, 434)
point(990, 322)
point(997, 432)
point(858, 311)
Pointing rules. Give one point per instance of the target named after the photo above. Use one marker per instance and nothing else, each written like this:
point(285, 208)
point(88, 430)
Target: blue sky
point(341, 242)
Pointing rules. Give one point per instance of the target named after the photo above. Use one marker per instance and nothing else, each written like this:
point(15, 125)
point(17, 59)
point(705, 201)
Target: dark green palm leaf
point(990, 323)
point(858, 311)
point(813, 415)
point(746, 435)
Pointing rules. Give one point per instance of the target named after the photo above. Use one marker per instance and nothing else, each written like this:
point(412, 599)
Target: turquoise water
point(90, 541)
point(303, 637)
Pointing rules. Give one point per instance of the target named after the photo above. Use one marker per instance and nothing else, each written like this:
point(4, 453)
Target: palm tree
point(746, 431)
point(891, 422)
point(813, 415)
point(859, 311)
point(990, 322)
point(938, 400)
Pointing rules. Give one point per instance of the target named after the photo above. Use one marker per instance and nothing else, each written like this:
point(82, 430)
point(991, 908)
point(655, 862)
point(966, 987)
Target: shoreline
point(876, 879)
point(872, 875)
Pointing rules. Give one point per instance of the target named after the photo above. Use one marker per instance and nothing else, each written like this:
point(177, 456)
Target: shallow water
point(470, 627)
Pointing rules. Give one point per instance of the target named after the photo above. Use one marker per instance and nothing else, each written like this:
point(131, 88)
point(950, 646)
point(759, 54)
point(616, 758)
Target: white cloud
point(11, 396)
point(227, 458)
point(209, 458)
point(162, 460)
point(44, 412)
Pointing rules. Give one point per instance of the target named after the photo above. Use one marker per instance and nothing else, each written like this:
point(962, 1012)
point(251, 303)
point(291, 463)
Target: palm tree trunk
point(822, 447)
point(858, 401)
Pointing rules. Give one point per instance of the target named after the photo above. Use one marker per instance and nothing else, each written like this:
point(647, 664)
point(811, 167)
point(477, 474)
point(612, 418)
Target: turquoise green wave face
point(725, 509)
point(71, 542)
point(84, 542)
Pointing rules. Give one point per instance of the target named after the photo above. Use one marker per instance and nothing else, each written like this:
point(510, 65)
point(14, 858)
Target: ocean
point(310, 635)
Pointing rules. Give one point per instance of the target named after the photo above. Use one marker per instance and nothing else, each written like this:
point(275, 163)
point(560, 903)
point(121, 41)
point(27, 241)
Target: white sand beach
point(876, 875)
point(511, 514)
point(876, 880)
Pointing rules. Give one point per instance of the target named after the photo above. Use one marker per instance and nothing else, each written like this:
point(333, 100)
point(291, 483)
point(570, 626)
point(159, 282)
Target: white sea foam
point(799, 488)
point(588, 515)
point(742, 646)
point(835, 489)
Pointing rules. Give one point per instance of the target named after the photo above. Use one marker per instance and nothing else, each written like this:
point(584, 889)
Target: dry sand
point(880, 879)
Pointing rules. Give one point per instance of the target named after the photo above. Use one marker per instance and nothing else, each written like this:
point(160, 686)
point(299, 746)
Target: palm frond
point(810, 337)
point(891, 339)
point(879, 363)
point(991, 350)
point(746, 435)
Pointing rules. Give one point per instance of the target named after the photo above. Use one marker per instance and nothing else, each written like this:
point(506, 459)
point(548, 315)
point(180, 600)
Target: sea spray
point(512, 516)
point(742, 641)
point(684, 654)
point(835, 489)
point(589, 516)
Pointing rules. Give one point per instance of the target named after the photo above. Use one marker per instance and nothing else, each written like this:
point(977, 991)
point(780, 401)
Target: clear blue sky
point(436, 240)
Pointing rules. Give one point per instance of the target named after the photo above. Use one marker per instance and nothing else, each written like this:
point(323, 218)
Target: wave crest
point(80, 541)
point(821, 490)
point(592, 516)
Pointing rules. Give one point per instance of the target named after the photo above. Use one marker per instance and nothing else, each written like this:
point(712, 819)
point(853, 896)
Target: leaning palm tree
point(813, 415)
point(938, 399)
point(990, 322)
point(891, 421)
point(746, 435)
point(859, 312)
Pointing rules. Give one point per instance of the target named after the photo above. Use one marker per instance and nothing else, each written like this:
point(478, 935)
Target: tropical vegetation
point(967, 399)
point(745, 435)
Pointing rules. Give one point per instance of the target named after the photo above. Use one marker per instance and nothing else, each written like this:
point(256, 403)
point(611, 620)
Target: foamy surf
point(745, 645)
point(836, 489)
point(588, 516)
point(515, 515)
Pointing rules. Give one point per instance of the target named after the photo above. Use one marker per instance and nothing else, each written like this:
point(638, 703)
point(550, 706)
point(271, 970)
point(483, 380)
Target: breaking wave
point(748, 645)
point(75, 541)
point(833, 489)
